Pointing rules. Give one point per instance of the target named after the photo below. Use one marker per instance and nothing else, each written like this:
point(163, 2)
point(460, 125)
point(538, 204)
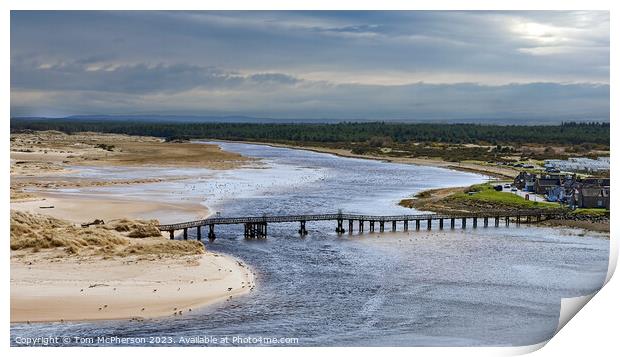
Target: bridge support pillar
point(339, 228)
point(518, 220)
point(429, 224)
point(302, 228)
point(198, 233)
point(381, 226)
point(440, 223)
point(417, 224)
point(507, 221)
point(496, 221)
point(262, 230)
point(451, 223)
point(184, 233)
point(211, 232)
point(372, 226)
point(361, 226)
point(350, 226)
point(171, 234)
point(486, 221)
point(405, 225)
point(463, 222)
point(475, 222)
point(393, 226)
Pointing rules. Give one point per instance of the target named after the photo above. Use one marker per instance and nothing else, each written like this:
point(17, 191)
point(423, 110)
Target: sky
point(348, 65)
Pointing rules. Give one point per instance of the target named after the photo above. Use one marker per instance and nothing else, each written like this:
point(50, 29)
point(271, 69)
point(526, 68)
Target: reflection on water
point(493, 286)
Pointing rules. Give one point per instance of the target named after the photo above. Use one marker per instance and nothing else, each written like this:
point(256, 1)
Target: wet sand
point(86, 208)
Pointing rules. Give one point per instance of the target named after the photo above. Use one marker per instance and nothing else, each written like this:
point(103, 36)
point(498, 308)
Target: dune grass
point(124, 237)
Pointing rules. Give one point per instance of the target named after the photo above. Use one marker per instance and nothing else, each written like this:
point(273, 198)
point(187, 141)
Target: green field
point(591, 211)
point(486, 195)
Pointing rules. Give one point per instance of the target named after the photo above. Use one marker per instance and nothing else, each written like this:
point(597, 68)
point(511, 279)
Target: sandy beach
point(85, 208)
point(126, 269)
point(76, 288)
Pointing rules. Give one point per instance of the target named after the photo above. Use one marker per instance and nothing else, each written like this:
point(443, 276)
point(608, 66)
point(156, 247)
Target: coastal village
point(572, 189)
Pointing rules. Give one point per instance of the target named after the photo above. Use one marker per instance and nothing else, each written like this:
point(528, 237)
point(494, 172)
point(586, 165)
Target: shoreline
point(471, 168)
point(438, 200)
point(85, 208)
point(52, 284)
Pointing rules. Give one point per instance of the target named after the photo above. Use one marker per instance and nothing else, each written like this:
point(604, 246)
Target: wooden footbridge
point(256, 226)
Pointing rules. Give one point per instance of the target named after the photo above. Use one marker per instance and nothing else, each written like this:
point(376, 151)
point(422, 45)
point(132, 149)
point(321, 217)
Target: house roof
point(594, 192)
point(596, 181)
point(548, 182)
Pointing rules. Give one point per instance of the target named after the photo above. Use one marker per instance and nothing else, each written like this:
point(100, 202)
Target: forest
point(369, 133)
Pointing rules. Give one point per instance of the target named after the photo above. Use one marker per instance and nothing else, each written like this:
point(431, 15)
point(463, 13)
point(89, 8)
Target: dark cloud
point(385, 64)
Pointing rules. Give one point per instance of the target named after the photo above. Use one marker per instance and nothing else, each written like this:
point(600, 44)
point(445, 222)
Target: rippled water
point(474, 287)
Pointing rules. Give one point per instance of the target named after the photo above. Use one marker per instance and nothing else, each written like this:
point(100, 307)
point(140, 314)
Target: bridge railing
point(355, 217)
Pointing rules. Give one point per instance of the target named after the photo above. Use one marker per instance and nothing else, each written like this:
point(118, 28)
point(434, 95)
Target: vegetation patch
point(35, 232)
point(484, 196)
point(594, 212)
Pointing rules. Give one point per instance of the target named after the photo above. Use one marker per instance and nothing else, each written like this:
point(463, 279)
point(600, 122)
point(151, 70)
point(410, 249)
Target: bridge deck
point(355, 217)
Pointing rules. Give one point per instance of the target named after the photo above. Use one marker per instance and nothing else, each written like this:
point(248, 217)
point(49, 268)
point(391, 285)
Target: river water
point(474, 287)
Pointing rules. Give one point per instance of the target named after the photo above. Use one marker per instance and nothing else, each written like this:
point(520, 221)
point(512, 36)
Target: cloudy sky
point(401, 65)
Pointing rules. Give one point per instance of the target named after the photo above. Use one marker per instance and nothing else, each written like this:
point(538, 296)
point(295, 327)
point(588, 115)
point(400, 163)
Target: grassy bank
point(483, 197)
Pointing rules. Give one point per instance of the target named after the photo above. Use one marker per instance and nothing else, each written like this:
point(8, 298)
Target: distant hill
point(258, 120)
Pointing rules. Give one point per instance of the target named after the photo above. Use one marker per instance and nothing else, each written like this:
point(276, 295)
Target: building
point(592, 192)
point(592, 197)
point(543, 185)
point(596, 181)
point(525, 181)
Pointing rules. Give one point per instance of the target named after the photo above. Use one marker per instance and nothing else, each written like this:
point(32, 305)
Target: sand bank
point(50, 149)
point(74, 288)
point(86, 208)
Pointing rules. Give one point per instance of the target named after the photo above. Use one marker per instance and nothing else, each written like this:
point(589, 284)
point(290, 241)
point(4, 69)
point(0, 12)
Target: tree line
point(345, 132)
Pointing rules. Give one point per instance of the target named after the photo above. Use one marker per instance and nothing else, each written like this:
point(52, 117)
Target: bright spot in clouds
point(394, 65)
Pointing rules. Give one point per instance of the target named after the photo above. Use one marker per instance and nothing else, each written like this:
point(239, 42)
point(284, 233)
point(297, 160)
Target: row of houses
point(591, 192)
